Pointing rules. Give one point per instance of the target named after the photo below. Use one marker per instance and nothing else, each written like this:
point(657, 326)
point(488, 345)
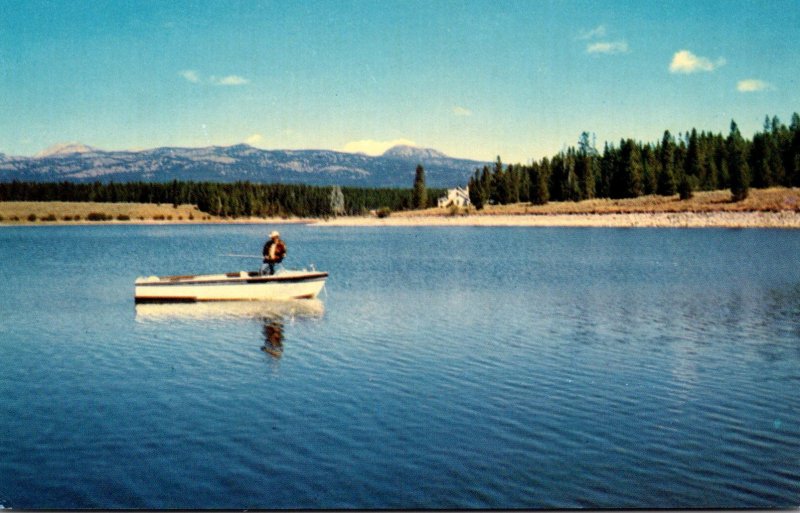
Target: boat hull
point(242, 286)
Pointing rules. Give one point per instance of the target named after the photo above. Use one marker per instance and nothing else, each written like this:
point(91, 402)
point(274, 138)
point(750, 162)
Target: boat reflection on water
point(309, 308)
point(272, 315)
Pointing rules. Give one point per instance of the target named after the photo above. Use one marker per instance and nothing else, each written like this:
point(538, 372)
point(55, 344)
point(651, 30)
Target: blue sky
point(472, 79)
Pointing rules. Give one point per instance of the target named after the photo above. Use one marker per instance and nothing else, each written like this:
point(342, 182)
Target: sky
point(473, 79)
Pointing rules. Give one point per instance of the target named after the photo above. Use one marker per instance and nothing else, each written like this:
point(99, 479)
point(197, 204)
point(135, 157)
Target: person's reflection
point(273, 337)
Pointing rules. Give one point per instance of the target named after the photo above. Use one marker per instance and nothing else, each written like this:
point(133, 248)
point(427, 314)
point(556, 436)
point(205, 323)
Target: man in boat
point(274, 251)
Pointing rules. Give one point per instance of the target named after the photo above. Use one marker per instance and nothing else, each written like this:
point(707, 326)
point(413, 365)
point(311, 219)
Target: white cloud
point(190, 75)
point(230, 80)
point(461, 111)
point(371, 147)
point(608, 47)
point(599, 31)
point(686, 62)
point(254, 139)
point(752, 85)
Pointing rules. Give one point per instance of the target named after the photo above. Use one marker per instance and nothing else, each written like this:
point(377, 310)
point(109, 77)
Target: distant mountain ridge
point(76, 162)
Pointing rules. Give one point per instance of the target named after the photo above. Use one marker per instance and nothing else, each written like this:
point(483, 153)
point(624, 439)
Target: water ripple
point(586, 368)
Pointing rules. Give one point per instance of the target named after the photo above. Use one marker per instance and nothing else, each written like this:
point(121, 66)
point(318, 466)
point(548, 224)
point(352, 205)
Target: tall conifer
point(627, 179)
point(666, 178)
point(539, 193)
point(419, 197)
point(738, 169)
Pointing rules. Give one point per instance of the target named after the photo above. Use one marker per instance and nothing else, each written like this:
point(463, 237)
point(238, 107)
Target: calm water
point(445, 368)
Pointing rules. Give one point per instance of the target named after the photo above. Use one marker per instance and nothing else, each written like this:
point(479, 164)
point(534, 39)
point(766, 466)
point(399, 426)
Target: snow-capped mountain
point(64, 149)
point(412, 152)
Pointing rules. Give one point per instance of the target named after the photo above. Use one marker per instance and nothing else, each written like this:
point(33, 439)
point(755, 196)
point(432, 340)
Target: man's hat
point(274, 234)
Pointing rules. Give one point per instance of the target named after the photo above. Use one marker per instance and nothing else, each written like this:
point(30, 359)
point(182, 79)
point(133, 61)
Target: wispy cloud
point(686, 62)
point(598, 46)
point(607, 47)
point(461, 111)
point(372, 147)
point(598, 31)
point(190, 75)
point(230, 80)
point(752, 85)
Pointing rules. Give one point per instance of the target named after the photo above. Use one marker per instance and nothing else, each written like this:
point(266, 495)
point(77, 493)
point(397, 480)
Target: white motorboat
point(238, 286)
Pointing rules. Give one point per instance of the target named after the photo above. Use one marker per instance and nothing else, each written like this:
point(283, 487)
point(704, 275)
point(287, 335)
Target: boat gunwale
point(191, 299)
point(230, 280)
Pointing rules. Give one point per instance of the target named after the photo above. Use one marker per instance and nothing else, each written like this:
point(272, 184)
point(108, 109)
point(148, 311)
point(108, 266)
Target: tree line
point(692, 161)
point(239, 199)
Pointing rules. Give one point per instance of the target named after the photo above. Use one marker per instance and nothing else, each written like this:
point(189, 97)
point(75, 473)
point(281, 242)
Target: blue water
point(445, 368)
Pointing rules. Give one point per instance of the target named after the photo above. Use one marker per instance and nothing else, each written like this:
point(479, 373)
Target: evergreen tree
point(538, 191)
point(694, 166)
point(608, 164)
point(708, 151)
point(498, 193)
point(627, 179)
point(419, 197)
point(337, 201)
point(666, 178)
point(737, 158)
point(759, 162)
point(572, 187)
point(777, 141)
point(513, 179)
point(649, 170)
point(686, 186)
point(486, 185)
point(586, 167)
point(524, 183)
point(476, 196)
point(793, 151)
point(557, 182)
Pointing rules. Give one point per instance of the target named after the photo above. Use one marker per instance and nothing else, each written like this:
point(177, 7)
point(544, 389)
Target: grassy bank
point(28, 212)
point(775, 206)
point(776, 199)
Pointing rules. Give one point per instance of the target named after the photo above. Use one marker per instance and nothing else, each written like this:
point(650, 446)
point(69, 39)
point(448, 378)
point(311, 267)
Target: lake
point(441, 368)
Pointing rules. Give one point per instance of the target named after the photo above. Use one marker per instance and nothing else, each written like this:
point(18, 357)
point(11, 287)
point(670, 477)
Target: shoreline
point(783, 220)
point(777, 207)
point(159, 222)
point(765, 220)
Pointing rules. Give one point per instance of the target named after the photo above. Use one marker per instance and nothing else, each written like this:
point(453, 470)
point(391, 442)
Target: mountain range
point(75, 162)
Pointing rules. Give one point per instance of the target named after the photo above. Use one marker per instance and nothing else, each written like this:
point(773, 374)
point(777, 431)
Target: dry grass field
point(777, 199)
point(775, 207)
point(768, 208)
point(72, 212)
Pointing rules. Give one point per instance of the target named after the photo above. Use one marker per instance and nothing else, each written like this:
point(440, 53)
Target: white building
point(458, 197)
